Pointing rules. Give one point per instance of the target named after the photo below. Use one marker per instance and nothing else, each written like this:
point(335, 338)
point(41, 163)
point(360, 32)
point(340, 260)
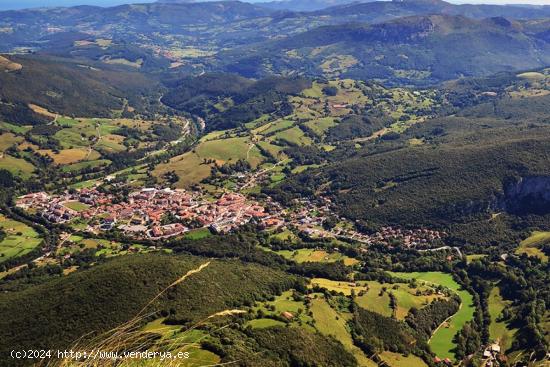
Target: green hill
point(84, 303)
point(69, 88)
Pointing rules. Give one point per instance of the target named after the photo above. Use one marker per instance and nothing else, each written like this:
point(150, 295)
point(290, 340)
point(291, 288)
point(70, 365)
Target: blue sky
point(20, 4)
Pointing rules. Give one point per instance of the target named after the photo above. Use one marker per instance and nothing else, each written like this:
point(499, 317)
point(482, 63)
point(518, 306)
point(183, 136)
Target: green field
point(178, 339)
point(231, 149)
point(320, 126)
point(188, 166)
point(442, 340)
point(311, 255)
point(198, 234)
point(194, 166)
point(264, 323)
point(374, 296)
point(8, 139)
point(499, 331)
point(283, 303)
point(294, 135)
point(398, 360)
point(531, 246)
point(17, 166)
point(20, 239)
point(330, 322)
point(274, 126)
point(84, 165)
point(108, 248)
point(77, 205)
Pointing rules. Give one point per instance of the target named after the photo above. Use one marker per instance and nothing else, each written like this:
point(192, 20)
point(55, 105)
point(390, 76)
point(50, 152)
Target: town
point(160, 213)
point(150, 212)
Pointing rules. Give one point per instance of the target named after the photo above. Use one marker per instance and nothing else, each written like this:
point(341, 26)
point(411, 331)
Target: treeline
point(425, 320)
point(276, 346)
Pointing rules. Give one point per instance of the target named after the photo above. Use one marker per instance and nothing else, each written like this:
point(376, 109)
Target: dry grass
point(42, 111)
point(8, 65)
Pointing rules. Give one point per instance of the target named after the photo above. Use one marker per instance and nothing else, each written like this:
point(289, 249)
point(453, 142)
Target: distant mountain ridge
point(415, 50)
point(307, 5)
point(410, 41)
point(379, 11)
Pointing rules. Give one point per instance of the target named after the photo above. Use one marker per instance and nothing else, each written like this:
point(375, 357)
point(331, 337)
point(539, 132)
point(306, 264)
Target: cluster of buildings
point(407, 237)
point(310, 217)
point(50, 208)
point(151, 212)
point(158, 213)
point(493, 357)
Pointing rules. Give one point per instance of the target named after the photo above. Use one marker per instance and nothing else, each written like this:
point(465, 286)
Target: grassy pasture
point(398, 360)
point(294, 135)
point(530, 246)
point(17, 129)
point(77, 205)
point(111, 143)
point(231, 149)
point(285, 303)
point(183, 341)
point(20, 239)
point(274, 126)
point(320, 126)
point(442, 340)
point(8, 139)
point(264, 323)
point(70, 156)
point(191, 167)
point(86, 164)
point(330, 322)
point(108, 248)
point(499, 331)
point(17, 166)
point(188, 166)
point(285, 236)
point(311, 255)
point(198, 234)
point(371, 296)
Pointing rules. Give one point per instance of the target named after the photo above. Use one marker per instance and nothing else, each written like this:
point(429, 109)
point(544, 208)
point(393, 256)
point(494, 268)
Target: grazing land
point(531, 246)
point(311, 255)
point(441, 341)
point(19, 239)
point(499, 331)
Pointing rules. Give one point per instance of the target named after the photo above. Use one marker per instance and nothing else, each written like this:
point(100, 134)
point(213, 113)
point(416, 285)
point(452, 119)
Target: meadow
point(531, 245)
point(441, 341)
point(312, 255)
point(330, 322)
point(375, 296)
point(499, 330)
point(20, 239)
point(284, 303)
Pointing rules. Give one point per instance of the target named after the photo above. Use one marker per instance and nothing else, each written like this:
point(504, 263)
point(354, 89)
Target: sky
point(21, 4)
